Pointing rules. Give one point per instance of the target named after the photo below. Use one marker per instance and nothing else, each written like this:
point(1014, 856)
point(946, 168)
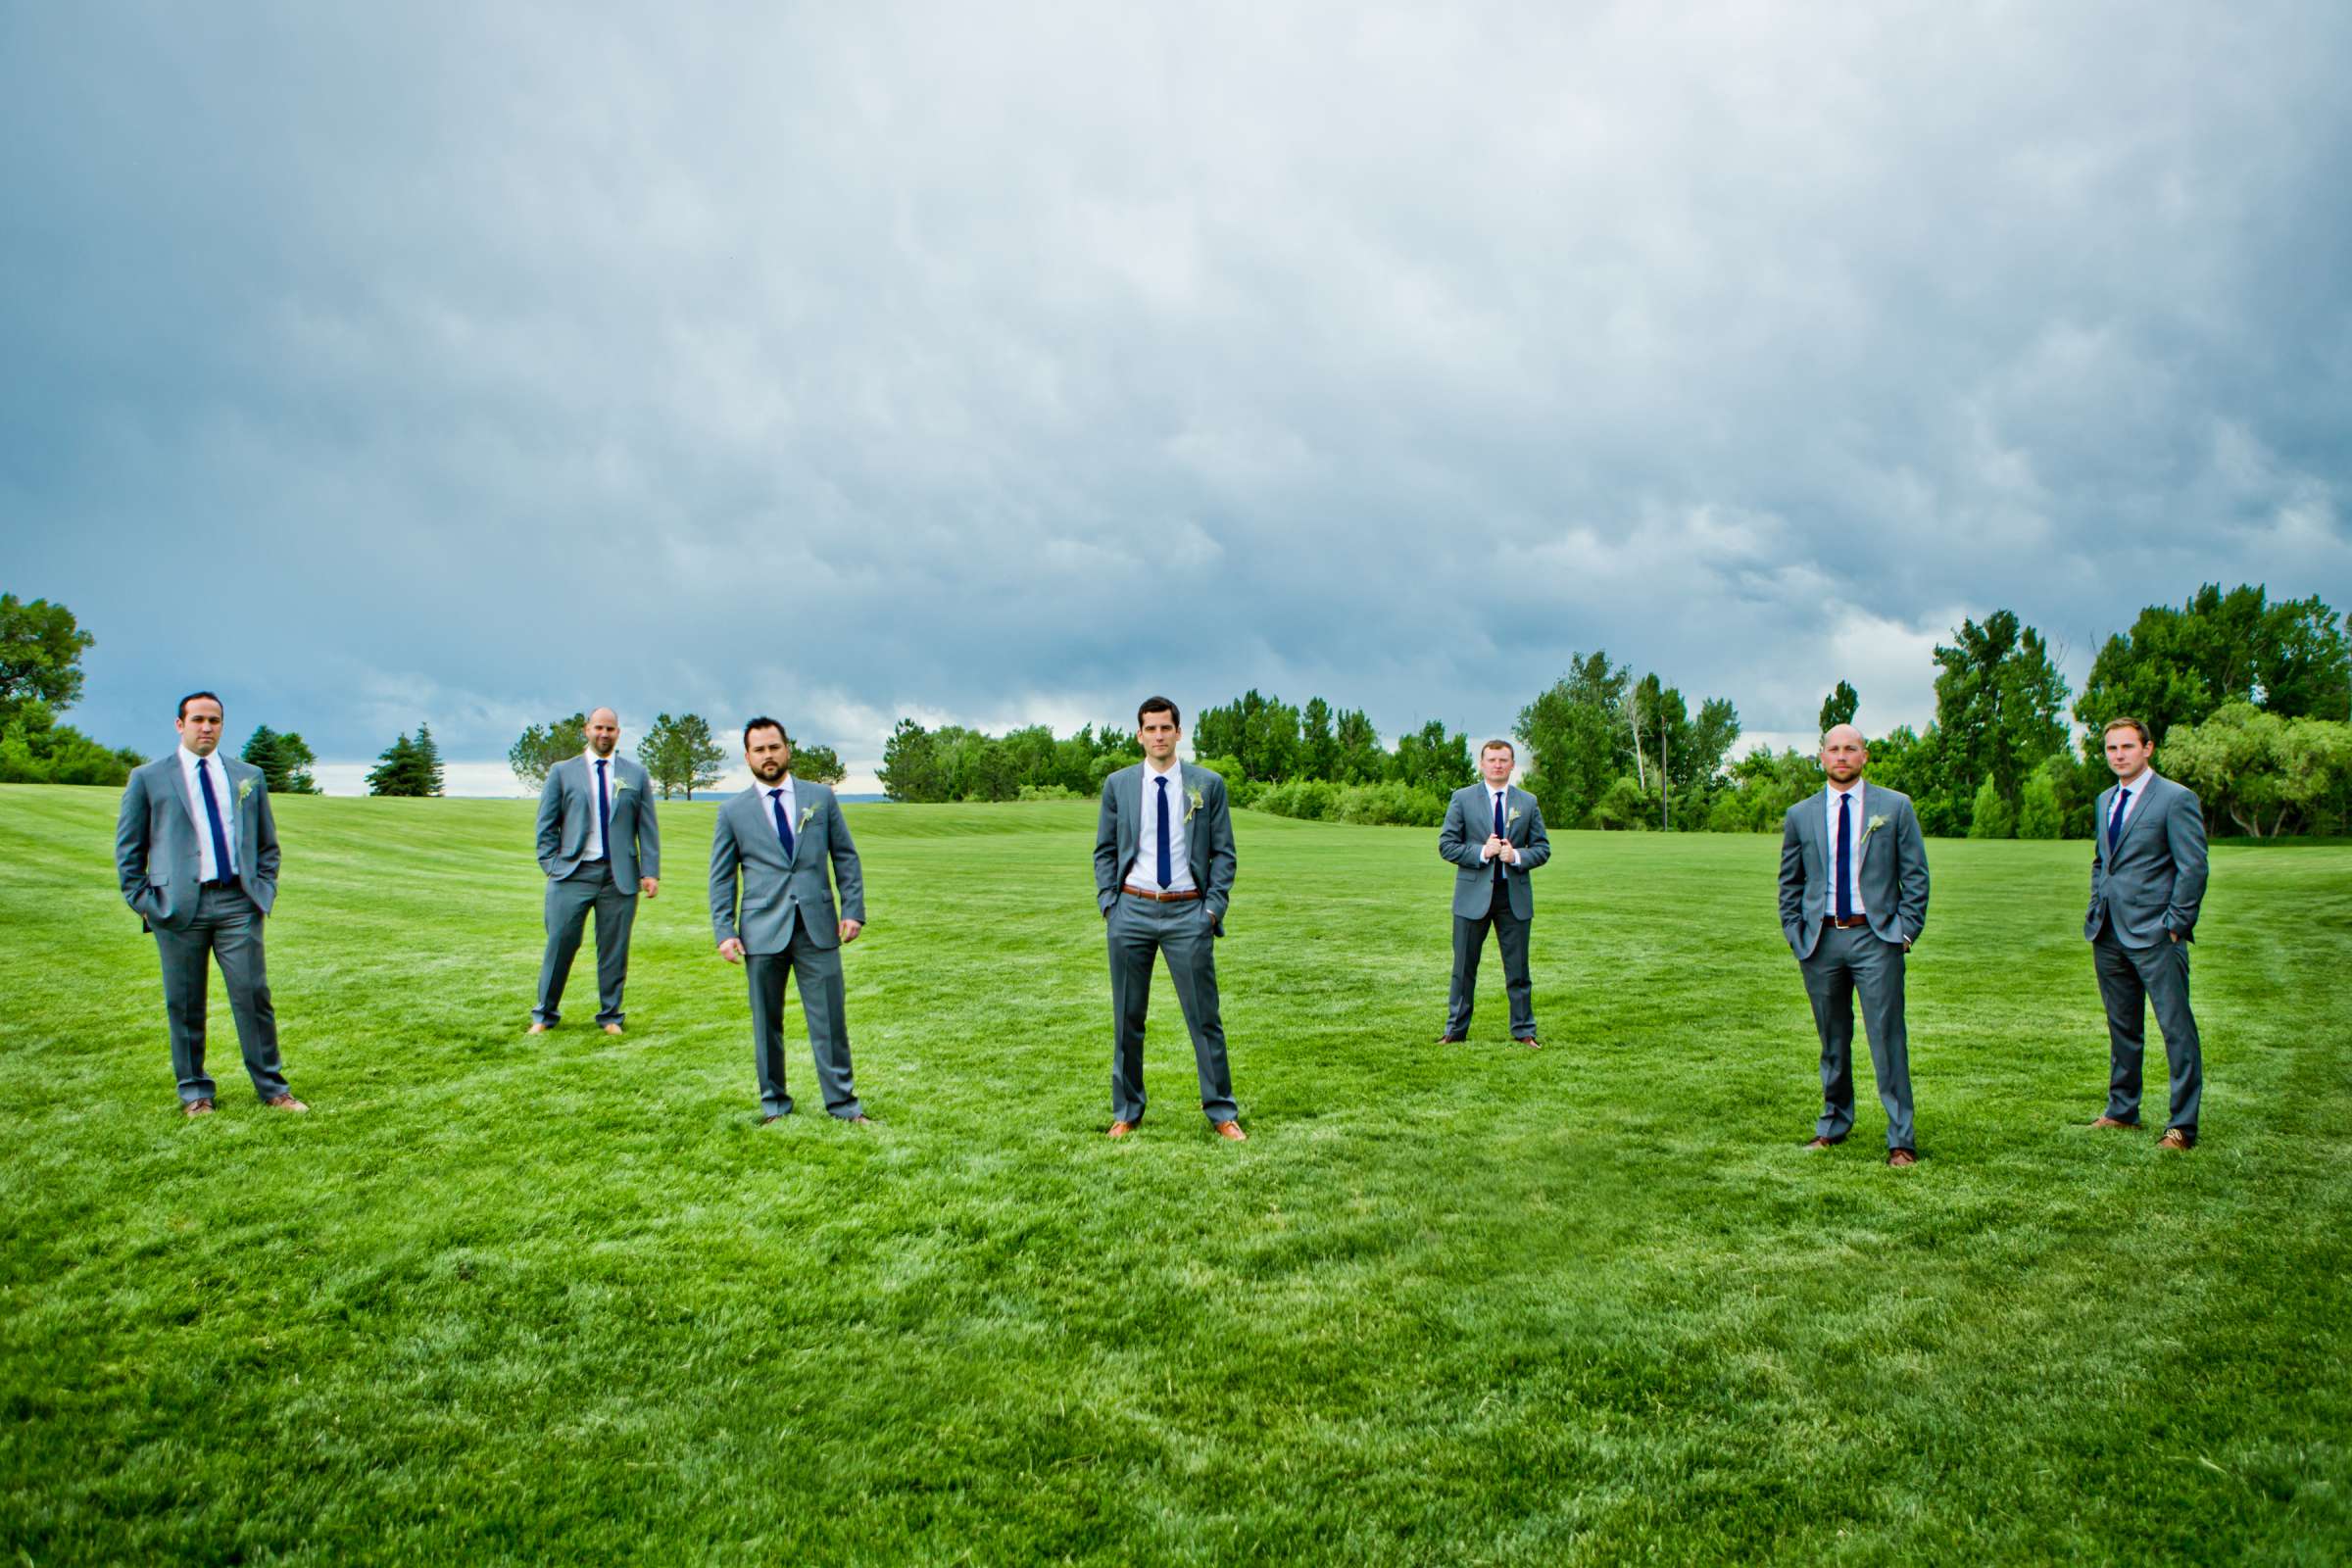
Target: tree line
point(679, 754)
point(2248, 700)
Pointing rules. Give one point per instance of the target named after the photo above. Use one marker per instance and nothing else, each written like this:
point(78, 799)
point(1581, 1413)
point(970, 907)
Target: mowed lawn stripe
point(562, 1298)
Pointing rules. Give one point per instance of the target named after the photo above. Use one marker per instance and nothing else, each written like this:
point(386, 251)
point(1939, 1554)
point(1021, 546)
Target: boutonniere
point(1870, 828)
point(1510, 816)
point(807, 811)
point(1193, 796)
point(244, 788)
point(619, 784)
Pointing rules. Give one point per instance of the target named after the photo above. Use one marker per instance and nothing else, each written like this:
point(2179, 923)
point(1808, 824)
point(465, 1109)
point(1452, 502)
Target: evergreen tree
point(1840, 706)
point(428, 761)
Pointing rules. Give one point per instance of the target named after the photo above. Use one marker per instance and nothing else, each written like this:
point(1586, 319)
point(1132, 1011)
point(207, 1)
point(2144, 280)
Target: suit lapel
point(2143, 800)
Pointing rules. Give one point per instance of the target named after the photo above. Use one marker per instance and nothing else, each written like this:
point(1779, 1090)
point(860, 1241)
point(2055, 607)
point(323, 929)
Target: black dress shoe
point(1450, 1039)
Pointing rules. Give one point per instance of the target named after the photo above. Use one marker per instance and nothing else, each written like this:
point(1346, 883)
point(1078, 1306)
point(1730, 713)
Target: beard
point(770, 772)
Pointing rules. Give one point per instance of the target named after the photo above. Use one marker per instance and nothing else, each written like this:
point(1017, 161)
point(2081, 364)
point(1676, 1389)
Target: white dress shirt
point(1145, 875)
point(1492, 794)
point(596, 820)
point(218, 772)
point(792, 813)
point(1847, 860)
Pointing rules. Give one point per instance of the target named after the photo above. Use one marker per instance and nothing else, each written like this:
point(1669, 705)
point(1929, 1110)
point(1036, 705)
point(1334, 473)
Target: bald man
point(600, 845)
point(1854, 899)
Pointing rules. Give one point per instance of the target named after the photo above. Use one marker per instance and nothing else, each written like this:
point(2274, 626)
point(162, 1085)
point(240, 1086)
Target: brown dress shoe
point(1231, 1132)
point(1902, 1157)
point(284, 1102)
point(771, 1119)
point(1120, 1129)
point(197, 1107)
point(1450, 1039)
point(2174, 1138)
point(1529, 1041)
point(611, 1028)
point(536, 1028)
point(1820, 1144)
point(861, 1119)
point(2110, 1121)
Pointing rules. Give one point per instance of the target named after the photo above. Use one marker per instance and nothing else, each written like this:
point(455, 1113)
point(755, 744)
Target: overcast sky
point(480, 363)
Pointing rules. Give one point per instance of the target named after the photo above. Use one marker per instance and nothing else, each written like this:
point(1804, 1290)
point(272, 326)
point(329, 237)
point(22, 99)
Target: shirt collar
point(1856, 788)
point(589, 753)
point(784, 784)
point(189, 760)
point(2138, 784)
point(1174, 769)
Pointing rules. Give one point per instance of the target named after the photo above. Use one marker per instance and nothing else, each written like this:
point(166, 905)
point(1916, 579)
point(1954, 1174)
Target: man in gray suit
point(600, 844)
point(2147, 879)
point(1854, 899)
point(196, 854)
point(1493, 834)
point(1163, 877)
point(774, 841)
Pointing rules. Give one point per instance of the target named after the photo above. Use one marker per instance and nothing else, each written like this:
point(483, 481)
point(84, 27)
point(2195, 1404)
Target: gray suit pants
point(589, 887)
point(1469, 941)
point(1139, 928)
point(227, 928)
point(1844, 963)
point(2130, 978)
point(818, 970)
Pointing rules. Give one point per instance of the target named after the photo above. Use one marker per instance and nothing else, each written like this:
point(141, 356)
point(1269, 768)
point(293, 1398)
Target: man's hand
point(849, 929)
point(1510, 853)
point(649, 886)
point(1494, 845)
point(731, 950)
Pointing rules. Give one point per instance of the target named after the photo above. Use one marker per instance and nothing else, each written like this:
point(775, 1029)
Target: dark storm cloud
point(474, 366)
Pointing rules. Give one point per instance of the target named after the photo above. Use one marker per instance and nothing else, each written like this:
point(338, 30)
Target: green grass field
point(504, 1298)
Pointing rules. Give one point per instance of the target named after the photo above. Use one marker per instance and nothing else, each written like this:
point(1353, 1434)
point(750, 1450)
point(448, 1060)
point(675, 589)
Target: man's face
point(1496, 763)
point(603, 731)
point(2127, 753)
point(1843, 756)
point(1156, 733)
point(199, 726)
point(768, 752)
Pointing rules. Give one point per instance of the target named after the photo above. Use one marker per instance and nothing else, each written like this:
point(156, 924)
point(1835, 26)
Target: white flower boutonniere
point(1510, 816)
point(244, 788)
point(619, 784)
point(1870, 828)
point(807, 811)
point(1193, 796)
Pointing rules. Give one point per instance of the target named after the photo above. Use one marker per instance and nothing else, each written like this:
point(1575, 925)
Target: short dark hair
point(1159, 704)
point(192, 696)
point(1499, 746)
point(2113, 724)
point(763, 722)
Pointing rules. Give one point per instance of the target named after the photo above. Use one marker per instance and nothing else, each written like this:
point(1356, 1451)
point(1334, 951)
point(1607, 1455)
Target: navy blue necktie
point(1167, 865)
point(1498, 833)
point(776, 799)
point(1845, 851)
point(2114, 819)
point(604, 812)
point(211, 815)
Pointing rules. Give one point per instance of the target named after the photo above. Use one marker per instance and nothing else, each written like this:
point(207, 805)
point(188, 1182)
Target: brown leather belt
point(1161, 898)
point(1846, 924)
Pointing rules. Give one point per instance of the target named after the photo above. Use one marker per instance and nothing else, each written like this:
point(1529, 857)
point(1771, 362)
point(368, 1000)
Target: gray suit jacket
point(2151, 886)
point(1469, 818)
point(782, 895)
point(1207, 836)
point(1892, 869)
point(156, 858)
point(568, 811)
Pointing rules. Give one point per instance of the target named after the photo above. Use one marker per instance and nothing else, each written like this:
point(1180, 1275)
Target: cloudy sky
point(478, 363)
